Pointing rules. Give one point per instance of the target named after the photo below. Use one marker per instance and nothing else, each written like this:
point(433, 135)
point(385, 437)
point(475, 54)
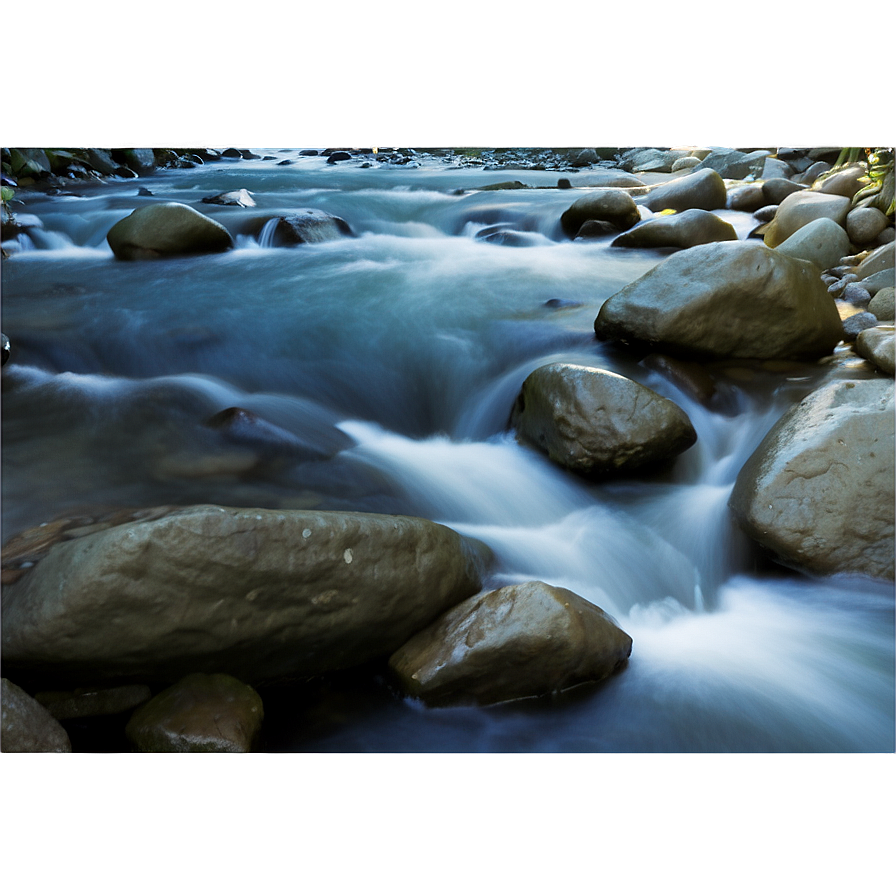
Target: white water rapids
point(393, 360)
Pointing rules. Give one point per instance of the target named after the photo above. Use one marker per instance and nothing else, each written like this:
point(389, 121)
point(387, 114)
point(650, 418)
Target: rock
point(844, 183)
point(26, 726)
point(685, 163)
point(100, 160)
point(773, 168)
point(520, 641)
point(505, 185)
point(651, 159)
point(338, 156)
point(726, 300)
point(766, 213)
point(877, 345)
point(886, 237)
point(309, 225)
point(818, 492)
point(734, 164)
point(29, 162)
point(747, 198)
point(691, 378)
point(855, 323)
point(778, 189)
point(820, 241)
point(824, 153)
point(882, 304)
point(165, 229)
point(693, 227)
point(597, 423)
point(855, 295)
point(142, 160)
point(88, 702)
point(4, 348)
point(231, 153)
point(602, 204)
point(199, 714)
point(260, 594)
point(799, 209)
point(241, 198)
point(880, 259)
point(864, 225)
point(702, 189)
point(813, 172)
point(585, 157)
point(878, 280)
point(592, 230)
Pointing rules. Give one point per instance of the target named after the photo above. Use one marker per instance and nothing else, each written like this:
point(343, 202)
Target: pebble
point(855, 294)
point(854, 325)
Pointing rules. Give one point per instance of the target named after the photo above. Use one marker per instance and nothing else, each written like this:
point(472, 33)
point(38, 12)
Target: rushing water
point(389, 363)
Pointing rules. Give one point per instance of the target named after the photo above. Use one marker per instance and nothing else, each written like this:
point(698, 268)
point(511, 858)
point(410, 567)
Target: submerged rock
point(818, 492)
point(693, 227)
point(27, 727)
point(595, 422)
point(306, 226)
point(164, 229)
point(260, 594)
point(199, 714)
point(520, 641)
point(601, 204)
point(726, 300)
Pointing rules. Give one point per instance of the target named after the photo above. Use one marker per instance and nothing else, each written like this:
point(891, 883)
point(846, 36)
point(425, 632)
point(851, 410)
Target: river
point(394, 358)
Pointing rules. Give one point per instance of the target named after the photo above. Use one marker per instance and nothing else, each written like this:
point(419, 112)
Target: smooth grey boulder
point(520, 641)
point(601, 204)
point(165, 229)
point(26, 726)
point(726, 300)
point(881, 259)
point(685, 163)
point(309, 225)
point(262, 595)
point(882, 305)
point(879, 280)
point(703, 189)
point(846, 183)
point(818, 492)
point(820, 241)
point(733, 163)
point(878, 345)
point(776, 189)
point(864, 225)
point(746, 198)
point(798, 209)
point(596, 422)
point(693, 227)
point(199, 714)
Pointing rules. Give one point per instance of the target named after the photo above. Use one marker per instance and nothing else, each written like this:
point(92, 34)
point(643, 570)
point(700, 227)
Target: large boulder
point(596, 422)
point(309, 225)
point(164, 229)
point(26, 726)
point(821, 241)
point(520, 641)
point(798, 209)
point(818, 492)
point(601, 204)
point(262, 595)
point(726, 300)
point(693, 227)
point(703, 189)
point(846, 183)
point(735, 164)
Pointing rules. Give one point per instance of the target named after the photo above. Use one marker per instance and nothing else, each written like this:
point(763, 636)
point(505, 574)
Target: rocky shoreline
point(271, 597)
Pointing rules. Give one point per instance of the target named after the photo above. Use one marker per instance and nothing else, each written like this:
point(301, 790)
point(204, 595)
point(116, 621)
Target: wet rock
point(260, 594)
point(338, 156)
point(200, 714)
point(691, 378)
point(693, 227)
point(766, 213)
point(601, 204)
point(598, 423)
point(864, 225)
point(166, 229)
point(747, 198)
point(818, 492)
point(846, 183)
point(519, 641)
point(855, 323)
point(879, 260)
point(799, 209)
point(26, 726)
point(734, 164)
point(726, 300)
point(241, 198)
point(877, 345)
point(141, 160)
point(90, 702)
point(703, 189)
point(100, 160)
point(307, 226)
point(820, 241)
point(778, 189)
point(652, 159)
point(505, 185)
point(592, 230)
point(231, 153)
point(882, 304)
point(586, 157)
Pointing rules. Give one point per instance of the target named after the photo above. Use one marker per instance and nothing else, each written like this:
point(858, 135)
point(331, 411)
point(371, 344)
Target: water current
point(393, 359)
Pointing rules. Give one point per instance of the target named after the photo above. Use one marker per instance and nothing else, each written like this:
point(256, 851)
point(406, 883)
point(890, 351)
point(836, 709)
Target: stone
point(766, 213)
point(601, 204)
point(813, 172)
point(592, 230)
point(746, 198)
point(864, 225)
point(846, 183)
point(886, 237)
point(586, 157)
point(777, 189)
point(101, 160)
point(798, 209)
point(878, 345)
point(685, 163)
point(855, 295)
point(726, 300)
point(260, 594)
point(855, 323)
point(882, 304)
point(703, 189)
point(231, 153)
point(338, 156)
point(775, 168)
point(519, 641)
point(598, 423)
point(818, 492)
point(878, 280)
point(734, 164)
point(199, 714)
point(89, 702)
point(652, 159)
point(505, 185)
point(820, 241)
point(29, 162)
point(141, 160)
point(692, 227)
point(27, 727)
point(691, 378)
point(880, 259)
point(309, 225)
point(241, 198)
point(165, 229)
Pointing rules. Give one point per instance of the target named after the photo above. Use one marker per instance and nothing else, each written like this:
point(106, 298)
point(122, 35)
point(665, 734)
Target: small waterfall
point(266, 236)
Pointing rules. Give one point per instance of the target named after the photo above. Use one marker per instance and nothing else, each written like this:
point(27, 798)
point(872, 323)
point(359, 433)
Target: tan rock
point(798, 209)
point(166, 228)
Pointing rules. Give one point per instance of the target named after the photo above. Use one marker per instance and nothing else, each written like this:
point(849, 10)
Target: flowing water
point(387, 365)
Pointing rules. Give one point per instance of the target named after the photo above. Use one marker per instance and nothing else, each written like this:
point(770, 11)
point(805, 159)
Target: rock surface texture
point(603, 204)
point(595, 422)
point(26, 726)
point(693, 227)
point(520, 641)
point(798, 209)
point(703, 189)
point(260, 594)
point(732, 299)
point(818, 492)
